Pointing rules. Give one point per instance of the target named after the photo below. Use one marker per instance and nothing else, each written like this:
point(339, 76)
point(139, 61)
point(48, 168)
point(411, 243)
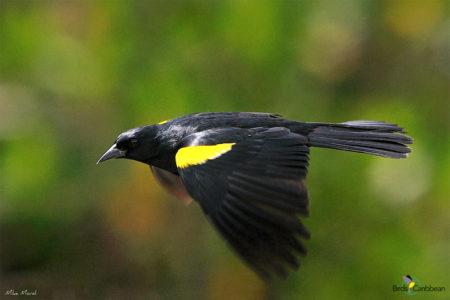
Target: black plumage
point(246, 171)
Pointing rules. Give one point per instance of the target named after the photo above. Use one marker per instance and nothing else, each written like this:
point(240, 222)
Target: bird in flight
point(246, 171)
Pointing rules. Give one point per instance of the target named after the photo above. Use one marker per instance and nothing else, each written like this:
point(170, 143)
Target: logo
point(411, 285)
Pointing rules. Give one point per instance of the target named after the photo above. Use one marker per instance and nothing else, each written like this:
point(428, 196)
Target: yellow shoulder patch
point(196, 155)
point(162, 122)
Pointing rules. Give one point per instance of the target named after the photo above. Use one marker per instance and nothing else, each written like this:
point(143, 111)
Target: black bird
point(246, 171)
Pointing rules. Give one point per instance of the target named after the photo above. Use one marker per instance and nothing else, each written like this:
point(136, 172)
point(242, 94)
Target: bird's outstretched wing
point(250, 186)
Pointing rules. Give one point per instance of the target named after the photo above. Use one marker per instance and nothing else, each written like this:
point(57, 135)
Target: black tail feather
point(370, 137)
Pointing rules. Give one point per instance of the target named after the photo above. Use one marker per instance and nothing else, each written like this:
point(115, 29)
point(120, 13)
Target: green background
point(74, 74)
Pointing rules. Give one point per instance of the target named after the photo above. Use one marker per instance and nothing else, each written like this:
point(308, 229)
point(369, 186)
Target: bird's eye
point(121, 146)
point(133, 143)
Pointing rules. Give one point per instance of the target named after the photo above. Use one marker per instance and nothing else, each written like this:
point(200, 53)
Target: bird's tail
point(371, 137)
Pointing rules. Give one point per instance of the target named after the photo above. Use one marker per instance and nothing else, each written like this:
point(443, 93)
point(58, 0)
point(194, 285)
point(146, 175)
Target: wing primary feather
point(294, 243)
point(256, 259)
point(267, 184)
point(248, 191)
point(288, 222)
point(237, 214)
point(239, 188)
point(274, 242)
point(229, 236)
point(231, 218)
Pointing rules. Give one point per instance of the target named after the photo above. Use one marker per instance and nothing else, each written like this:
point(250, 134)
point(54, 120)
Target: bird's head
point(139, 144)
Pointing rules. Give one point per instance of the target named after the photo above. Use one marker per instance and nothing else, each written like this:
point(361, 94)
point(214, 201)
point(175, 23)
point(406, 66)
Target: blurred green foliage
point(74, 74)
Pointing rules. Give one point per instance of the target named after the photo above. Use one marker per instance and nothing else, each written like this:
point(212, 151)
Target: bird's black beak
point(113, 152)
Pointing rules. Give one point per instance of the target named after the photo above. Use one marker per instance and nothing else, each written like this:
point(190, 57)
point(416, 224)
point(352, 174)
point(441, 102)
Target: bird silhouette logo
point(410, 283)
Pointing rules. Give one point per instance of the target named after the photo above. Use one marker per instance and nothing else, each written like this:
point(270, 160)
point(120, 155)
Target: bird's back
point(204, 121)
